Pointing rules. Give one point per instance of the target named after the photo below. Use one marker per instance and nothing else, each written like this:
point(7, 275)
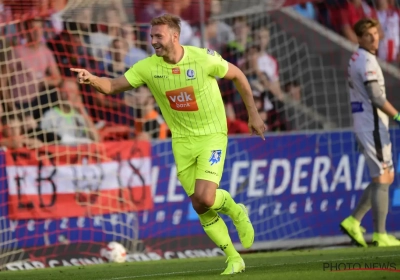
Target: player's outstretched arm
point(102, 84)
point(256, 124)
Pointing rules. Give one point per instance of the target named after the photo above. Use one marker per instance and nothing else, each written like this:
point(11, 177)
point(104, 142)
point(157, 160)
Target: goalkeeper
point(183, 82)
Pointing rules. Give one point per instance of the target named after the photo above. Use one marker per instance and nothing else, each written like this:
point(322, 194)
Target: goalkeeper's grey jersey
point(364, 68)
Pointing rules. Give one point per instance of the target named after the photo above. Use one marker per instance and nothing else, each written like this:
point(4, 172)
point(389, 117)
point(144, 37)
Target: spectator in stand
point(224, 32)
point(147, 119)
point(36, 55)
point(134, 52)
point(5, 12)
point(296, 120)
point(145, 10)
point(69, 119)
point(109, 27)
point(18, 84)
point(234, 50)
point(344, 18)
point(272, 113)
point(235, 126)
point(70, 52)
point(389, 20)
point(149, 10)
point(116, 112)
point(395, 5)
point(7, 103)
point(187, 36)
point(265, 66)
point(82, 22)
point(6, 27)
point(12, 134)
point(307, 10)
point(210, 35)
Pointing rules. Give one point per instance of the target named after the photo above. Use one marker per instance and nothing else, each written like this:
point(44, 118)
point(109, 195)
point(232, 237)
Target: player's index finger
point(76, 70)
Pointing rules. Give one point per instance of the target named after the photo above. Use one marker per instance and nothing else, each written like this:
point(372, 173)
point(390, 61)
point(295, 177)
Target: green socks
point(225, 204)
point(216, 229)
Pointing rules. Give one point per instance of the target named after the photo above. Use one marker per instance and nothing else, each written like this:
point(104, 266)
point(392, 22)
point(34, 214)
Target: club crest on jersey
point(190, 74)
point(215, 156)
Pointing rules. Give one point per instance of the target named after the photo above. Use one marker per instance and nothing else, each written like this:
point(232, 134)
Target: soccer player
point(371, 112)
point(183, 82)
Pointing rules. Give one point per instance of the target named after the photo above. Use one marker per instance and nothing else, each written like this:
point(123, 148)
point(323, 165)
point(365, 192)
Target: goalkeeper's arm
point(102, 84)
point(379, 101)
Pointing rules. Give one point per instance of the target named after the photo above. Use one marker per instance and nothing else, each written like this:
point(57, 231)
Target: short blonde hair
point(172, 21)
point(363, 25)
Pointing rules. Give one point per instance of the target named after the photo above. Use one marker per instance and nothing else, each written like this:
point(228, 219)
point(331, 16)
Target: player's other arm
point(378, 100)
point(103, 84)
point(243, 86)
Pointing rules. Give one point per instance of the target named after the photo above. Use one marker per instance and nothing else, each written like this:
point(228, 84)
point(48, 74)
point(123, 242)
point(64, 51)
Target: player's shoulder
point(146, 62)
point(200, 52)
point(366, 58)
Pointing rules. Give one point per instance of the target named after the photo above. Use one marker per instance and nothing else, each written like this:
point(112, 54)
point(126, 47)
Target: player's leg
point(352, 224)
point(382, 178)
point(377, 152)
point(211, 151)
point(212, 223)
point(210, 167)
point(215, 227)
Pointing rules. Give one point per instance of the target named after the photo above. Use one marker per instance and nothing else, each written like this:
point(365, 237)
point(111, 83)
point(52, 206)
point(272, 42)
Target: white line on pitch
point(215, 269)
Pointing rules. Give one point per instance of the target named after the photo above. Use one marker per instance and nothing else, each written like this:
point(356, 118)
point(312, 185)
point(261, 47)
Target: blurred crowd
point(41, 103)
point(341, 15)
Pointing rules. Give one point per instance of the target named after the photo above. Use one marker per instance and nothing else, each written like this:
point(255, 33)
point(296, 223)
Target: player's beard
point(165, 50)
point(160, 51)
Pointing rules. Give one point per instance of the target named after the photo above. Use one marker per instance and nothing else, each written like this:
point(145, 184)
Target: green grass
point(298, 265)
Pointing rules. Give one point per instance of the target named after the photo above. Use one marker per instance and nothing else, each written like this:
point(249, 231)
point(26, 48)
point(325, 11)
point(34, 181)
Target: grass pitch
point(365, 263)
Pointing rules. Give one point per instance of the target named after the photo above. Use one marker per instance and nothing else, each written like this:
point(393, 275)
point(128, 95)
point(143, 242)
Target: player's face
point(370, 40)
point(162, 39)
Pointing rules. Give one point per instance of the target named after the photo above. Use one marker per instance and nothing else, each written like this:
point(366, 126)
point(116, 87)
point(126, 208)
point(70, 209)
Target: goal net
point(79, 169)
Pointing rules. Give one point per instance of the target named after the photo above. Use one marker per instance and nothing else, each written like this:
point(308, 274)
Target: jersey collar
point(367, 51)
point(174, 65)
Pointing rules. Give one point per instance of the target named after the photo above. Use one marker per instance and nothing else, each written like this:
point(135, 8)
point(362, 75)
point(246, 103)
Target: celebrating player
point(371, 112)
point(183, 82)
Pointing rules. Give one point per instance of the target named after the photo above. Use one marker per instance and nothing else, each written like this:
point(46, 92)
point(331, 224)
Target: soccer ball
point(114, 252)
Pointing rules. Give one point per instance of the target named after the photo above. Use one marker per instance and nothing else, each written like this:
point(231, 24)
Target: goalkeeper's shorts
point(199, 157)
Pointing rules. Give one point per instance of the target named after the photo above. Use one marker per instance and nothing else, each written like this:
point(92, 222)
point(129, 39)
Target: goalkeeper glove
point(397, 118)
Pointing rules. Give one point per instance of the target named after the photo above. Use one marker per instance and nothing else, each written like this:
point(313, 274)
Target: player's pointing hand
point(84, 77)
point(256, 125)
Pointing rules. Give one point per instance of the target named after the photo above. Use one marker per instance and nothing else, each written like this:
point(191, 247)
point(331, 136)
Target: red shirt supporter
point(237, 127)
point(343, 19)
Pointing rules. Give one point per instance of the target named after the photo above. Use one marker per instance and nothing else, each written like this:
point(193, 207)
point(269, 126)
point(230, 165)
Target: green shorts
point(199, 157)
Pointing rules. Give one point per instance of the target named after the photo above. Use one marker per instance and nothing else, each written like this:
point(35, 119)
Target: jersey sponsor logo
point(190, 74)
point(215, 157)
point(182, 99)
point(210, 52)
point(357, 107)
point(176, 70)
point(161, 76)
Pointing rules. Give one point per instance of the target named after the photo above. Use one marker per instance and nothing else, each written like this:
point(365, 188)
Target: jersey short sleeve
point(218, 67)
point(134, 75)
point(368, 70)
